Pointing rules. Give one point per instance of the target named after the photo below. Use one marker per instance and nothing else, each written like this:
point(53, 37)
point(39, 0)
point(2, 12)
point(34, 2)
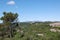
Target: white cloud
point(11, 3)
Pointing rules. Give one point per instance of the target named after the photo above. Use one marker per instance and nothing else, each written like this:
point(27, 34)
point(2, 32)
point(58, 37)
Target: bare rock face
point(53, 30)
point(40, 34)
point(55, 24)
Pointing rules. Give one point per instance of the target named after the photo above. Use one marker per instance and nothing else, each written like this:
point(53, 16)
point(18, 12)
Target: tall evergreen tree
point(8, 21)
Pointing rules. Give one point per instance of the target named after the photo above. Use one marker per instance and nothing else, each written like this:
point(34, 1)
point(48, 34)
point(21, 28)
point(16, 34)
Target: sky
point(32, 10)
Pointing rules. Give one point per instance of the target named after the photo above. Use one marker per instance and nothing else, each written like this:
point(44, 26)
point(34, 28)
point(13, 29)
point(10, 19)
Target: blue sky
point(32, 10)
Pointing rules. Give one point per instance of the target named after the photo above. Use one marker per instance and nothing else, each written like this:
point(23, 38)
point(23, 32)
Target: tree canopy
point(9, 17)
